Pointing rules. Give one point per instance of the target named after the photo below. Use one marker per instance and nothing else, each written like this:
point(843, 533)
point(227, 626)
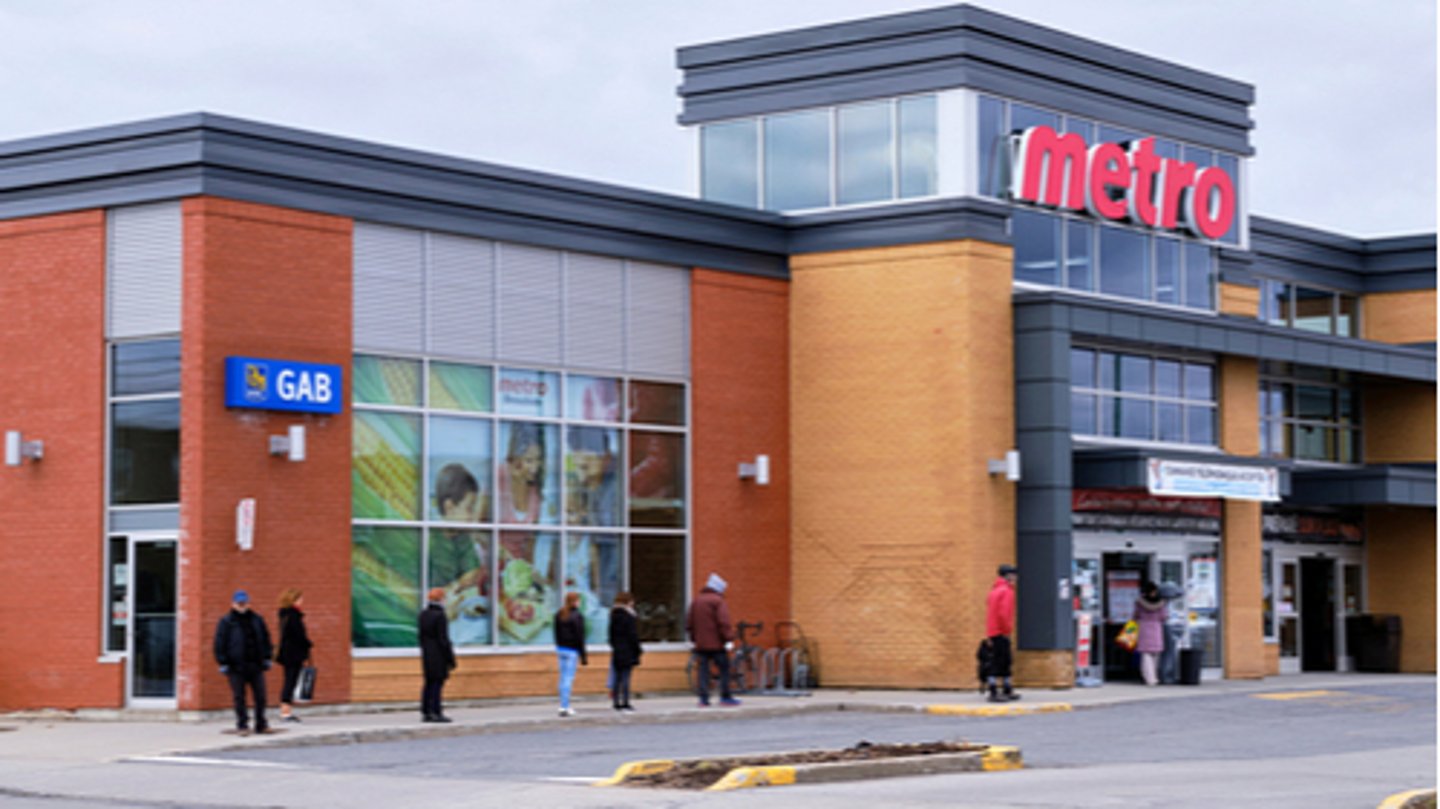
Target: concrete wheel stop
point(863, 761)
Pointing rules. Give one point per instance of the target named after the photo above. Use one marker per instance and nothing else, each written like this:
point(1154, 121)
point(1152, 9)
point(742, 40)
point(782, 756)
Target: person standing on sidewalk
point(1150, 613)
point(708, 624)
point(624, 649)
point(999, 624)
point(437, 655)
point(293, 653)
point(242, 649)
point(569, 647)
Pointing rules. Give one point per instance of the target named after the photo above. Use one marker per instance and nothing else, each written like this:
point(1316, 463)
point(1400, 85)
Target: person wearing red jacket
point(999, 624)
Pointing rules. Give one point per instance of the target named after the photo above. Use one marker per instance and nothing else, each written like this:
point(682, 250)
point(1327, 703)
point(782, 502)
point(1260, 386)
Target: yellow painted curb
point(746, 777)
point(629, 768)
point(1002, 757)
point(1400, 800)
point(1285, 695)
point(997, 710)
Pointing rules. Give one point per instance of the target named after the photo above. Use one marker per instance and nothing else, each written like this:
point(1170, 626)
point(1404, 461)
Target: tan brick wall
point(1399, 418)
point(1399, 317)
point(392, 679)
point(1239, 300)
point(1045, 668)
point(1400, 564)
point(902, 388)
point(1272, 659)
point(1243, 636)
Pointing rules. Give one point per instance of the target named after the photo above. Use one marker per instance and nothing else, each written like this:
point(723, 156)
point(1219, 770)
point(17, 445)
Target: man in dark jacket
point(708, 624)
point(437, 655)
point(242, 648)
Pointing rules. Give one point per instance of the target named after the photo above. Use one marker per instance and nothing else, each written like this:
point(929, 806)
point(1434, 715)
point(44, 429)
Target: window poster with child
point(460, 459)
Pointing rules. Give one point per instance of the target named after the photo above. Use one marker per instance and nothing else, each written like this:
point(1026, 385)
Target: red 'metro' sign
point(1112, 182)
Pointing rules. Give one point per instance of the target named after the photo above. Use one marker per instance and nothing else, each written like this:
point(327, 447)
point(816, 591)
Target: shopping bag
point(305, 688)
point(984, 658)
point(1129, 636)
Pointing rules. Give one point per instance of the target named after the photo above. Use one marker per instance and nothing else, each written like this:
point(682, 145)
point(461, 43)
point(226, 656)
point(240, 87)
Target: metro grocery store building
point(923, 241)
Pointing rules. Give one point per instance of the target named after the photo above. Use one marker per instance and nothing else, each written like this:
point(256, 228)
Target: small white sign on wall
point(245, 524)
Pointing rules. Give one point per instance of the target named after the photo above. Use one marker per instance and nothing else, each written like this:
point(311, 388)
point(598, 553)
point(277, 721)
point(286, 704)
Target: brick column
point(1240, 547)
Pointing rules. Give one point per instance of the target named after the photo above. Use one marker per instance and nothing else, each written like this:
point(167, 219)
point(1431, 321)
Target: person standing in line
point(708, 625)
point(999, 624)
point(437, 655)
point(293, 652)
point(624, 649)
point(1150, 615)
point(242, 649)
point(569, 647)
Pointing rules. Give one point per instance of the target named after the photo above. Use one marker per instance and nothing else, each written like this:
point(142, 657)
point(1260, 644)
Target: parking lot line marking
point(1286, 695)
point(214, 762)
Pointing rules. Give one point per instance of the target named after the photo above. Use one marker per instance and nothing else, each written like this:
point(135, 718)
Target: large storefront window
point(508, 487)
point(145, 423)
point(1309, 414)
point(853, 154)
point(1141, 397)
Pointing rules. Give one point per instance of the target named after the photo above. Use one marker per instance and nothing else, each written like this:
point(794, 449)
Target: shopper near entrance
point(242, 649)
point(999, 625)
point(437, 655)
point(293, 652)
point(708, 625)
point(1150, 612)
point(624, 649)
point(569, 647)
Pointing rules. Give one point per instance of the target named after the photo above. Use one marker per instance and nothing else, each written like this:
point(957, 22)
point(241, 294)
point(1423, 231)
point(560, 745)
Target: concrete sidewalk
point(110, 736)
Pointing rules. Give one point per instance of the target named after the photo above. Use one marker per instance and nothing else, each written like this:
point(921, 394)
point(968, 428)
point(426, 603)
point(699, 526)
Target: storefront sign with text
point(1186, 479)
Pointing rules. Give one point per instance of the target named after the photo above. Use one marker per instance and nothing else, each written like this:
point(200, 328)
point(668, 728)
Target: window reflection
point(866, 144)
point(729, 163)
point(797, 161)
point(1124, 263)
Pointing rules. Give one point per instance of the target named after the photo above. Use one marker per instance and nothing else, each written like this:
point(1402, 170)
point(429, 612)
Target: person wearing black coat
point(293, 653)
point(624, 649)
point(437, 655)
point(242, 648)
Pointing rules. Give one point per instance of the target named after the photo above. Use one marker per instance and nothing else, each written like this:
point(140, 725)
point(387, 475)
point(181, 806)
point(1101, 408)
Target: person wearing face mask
point(243, 651)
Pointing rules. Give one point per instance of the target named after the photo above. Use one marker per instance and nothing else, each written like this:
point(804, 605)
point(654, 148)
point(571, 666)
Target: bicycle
point(744, 665)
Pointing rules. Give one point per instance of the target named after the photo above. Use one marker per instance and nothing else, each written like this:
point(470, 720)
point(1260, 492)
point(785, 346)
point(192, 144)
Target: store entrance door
point(151, 640)
point(1317, 614)
point(1123, 573)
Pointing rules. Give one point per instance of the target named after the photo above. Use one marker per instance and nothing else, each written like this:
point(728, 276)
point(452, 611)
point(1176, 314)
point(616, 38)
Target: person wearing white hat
point(708, 624)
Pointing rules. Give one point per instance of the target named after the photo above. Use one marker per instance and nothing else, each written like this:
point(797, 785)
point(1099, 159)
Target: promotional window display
point(529, 586)
point(593, 569)
point(459, 563)
point(529, 484)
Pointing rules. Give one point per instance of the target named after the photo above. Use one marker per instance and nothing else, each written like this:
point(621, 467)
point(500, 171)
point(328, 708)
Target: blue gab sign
point(302, 387)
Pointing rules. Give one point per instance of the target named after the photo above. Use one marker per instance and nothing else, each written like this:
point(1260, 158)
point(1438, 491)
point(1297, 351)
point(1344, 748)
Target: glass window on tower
point(919, 158)
point(1037, 245)
point(797, 161)
point(1124, 263)
point(866, 141)
point(729, 161)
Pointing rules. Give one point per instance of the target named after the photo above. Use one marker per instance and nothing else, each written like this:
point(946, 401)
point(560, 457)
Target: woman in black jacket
point(437, 655)
point(624, 649)
point(293, 653)
point(569, 647)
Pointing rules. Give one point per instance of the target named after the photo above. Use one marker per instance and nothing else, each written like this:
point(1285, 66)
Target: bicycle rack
point(779, 664)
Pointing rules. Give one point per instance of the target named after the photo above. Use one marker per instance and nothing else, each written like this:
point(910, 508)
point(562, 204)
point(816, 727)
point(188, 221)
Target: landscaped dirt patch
point(701, 773)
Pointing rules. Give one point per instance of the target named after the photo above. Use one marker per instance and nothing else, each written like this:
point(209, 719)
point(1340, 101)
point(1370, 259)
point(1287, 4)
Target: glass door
point(1352, 599)
point(1287, 612)
point(151, 637)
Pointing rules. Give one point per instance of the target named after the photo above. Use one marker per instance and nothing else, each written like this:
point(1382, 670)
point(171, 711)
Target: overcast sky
point(1345, 107)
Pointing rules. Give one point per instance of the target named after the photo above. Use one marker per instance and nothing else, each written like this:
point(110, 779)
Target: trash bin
point(1190, 660)
point(1375, 642)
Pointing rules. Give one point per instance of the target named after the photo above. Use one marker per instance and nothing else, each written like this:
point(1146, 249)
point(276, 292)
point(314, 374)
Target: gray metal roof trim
point(99, 135)
point(950, 219)
point(1372, 484)
point(951, 18)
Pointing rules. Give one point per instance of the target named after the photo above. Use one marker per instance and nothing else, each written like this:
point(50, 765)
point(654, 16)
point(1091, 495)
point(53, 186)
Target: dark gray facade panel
point(1043, 612)
point(1124, 326)
point(1373, 363)
point(1345, 358)
point(1376, 485)
point(1042, 318)
point(1042, 356)
point(1288, 270)
point(1399, 281)
point(1277, 347)
point(1312, 354)
point(1244, 343)
point(1039, 469)
point(903, 223)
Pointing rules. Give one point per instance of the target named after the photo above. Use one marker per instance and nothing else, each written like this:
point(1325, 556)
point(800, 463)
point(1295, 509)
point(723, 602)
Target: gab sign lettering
point(263, 384)
point(1113, 182)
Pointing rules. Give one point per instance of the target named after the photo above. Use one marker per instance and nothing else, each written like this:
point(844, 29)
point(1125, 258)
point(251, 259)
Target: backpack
point(983, 657)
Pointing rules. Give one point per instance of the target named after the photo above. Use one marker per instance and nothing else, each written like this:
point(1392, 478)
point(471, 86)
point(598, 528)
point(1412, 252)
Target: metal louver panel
point(462, 297)
point(530, 325)
point(657, 309)
point(389, 290)
point(594, 312)
point(143, 270)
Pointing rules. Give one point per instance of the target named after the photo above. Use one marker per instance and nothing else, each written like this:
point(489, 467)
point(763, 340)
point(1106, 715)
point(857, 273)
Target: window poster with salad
point(529, 595)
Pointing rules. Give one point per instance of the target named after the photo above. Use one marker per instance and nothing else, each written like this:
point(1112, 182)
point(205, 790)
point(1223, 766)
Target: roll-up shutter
point(530, 314)
point(594, 312)
point(657, 309)
point(389, 291)
point(462, 297)
point(143, 268)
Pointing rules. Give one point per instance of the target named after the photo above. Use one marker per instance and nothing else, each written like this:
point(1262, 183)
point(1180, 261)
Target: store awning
point(1128, 467)
point(1374, 485)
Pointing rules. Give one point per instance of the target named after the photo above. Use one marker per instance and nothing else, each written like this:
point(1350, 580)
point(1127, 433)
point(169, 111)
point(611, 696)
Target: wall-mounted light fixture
point(1009, 466)
point(18, 449)
point(292, 446)
point(759, 471)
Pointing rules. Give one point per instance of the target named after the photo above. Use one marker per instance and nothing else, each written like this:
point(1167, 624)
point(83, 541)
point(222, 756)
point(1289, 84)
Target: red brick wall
point(52, 387)
point(264, 282)
point(740, 389)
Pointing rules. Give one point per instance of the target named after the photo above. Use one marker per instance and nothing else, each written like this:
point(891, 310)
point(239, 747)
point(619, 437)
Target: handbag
point(305, 688)
point(1129, 636)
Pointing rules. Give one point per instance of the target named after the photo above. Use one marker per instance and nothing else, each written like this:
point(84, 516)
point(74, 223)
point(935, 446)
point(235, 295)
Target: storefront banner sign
point(266, 384)
point(529, 393)
point(1136, 501)
point(1185, 479)
point(1082, 640)
point(1121, 182)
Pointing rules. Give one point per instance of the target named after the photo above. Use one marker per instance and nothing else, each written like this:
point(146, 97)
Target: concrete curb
point(1414, 799)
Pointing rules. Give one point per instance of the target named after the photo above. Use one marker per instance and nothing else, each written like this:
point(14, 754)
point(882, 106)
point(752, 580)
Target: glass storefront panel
point(657, 403)
point(143, 368)
point(460, 387)
point(657, 480)
point(592, 480)
point(460, 469)
point(657, 575)
point(524, 392)
point(459, 562)
point(528, 486)
point(1202, 603)
point(385, 381)
point(384, 587)
point(592, 398)
point(593, 568)
point(529, 587)
point(145, 452)
point(385, 466)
